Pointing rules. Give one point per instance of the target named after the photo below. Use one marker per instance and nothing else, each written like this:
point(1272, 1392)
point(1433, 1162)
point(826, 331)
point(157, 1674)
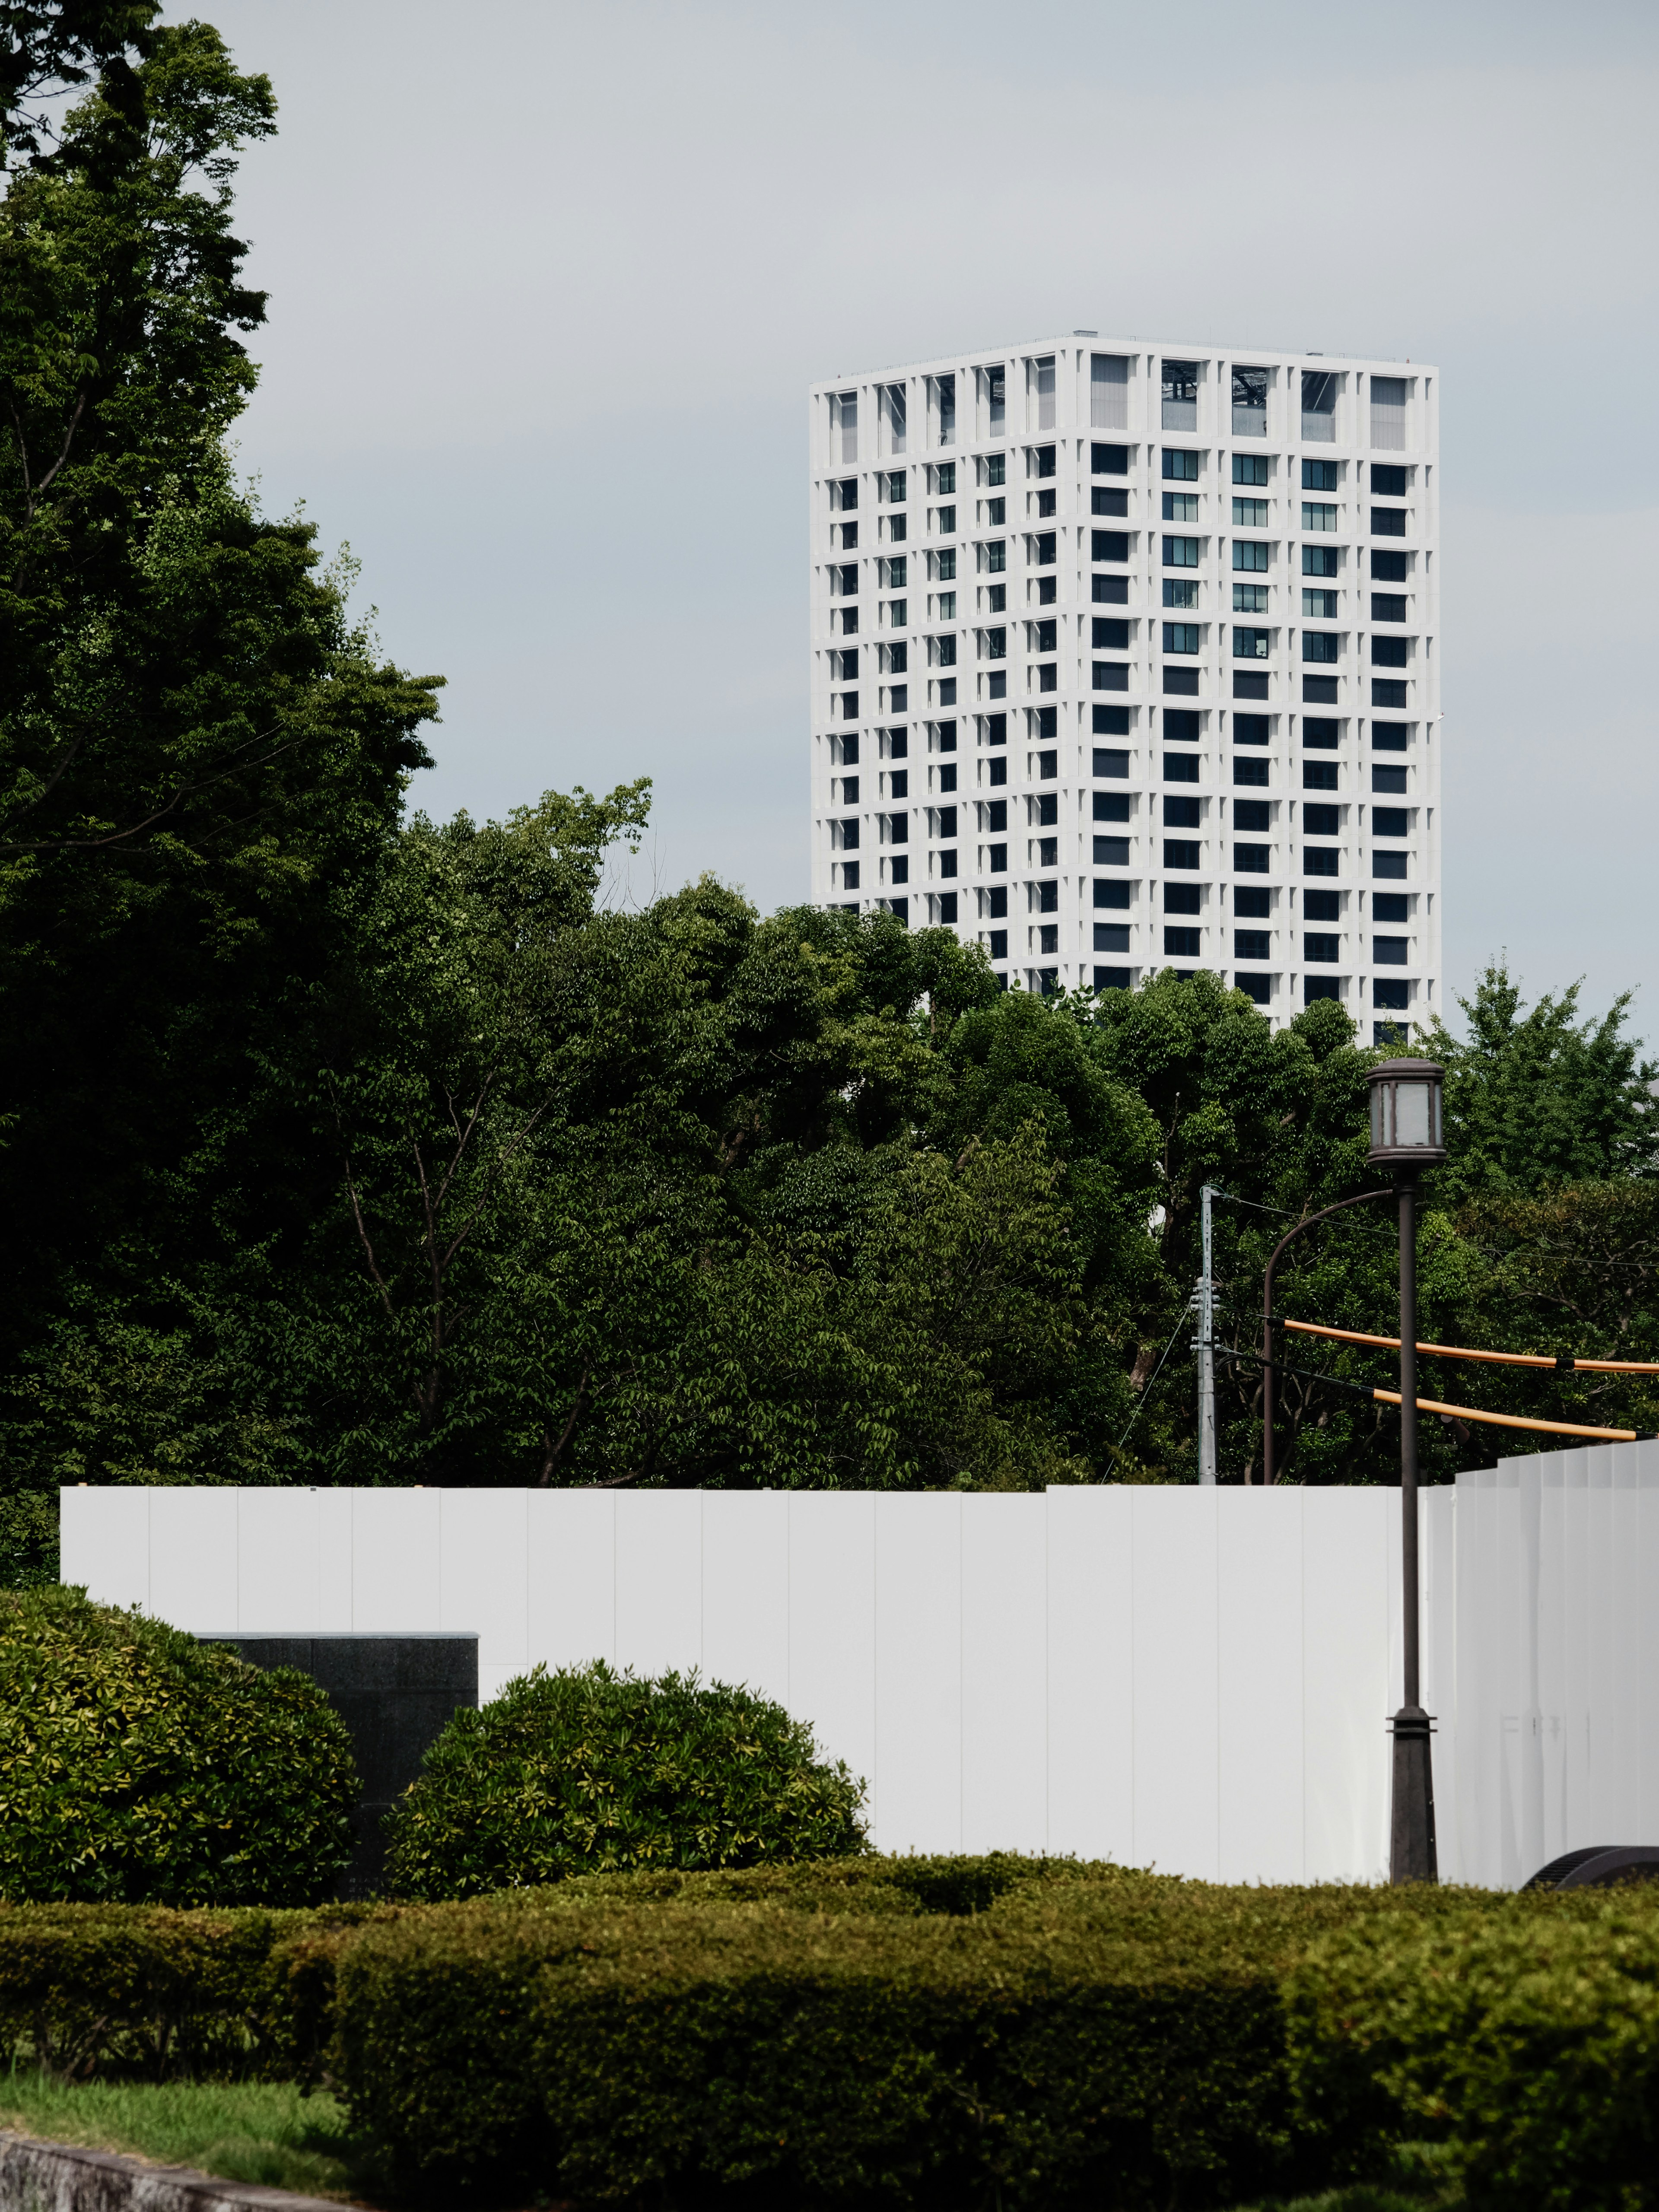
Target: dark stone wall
point(394, 1694)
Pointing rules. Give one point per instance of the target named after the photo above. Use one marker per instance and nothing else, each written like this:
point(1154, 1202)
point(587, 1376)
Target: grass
point(257, 2131)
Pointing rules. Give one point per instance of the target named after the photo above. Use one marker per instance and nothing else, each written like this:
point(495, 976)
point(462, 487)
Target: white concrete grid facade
point(1126, 657)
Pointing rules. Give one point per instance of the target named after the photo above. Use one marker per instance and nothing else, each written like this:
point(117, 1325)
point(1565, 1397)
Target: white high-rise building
point(1126, 657)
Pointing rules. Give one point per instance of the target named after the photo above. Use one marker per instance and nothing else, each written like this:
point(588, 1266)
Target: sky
point(548, 284)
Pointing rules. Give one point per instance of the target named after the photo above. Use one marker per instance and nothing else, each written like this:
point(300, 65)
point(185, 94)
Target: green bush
point(588, 1771)
point(139, 1766)
point(846, 2036)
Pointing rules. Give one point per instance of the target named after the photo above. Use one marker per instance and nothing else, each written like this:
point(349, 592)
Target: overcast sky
point(548, 284)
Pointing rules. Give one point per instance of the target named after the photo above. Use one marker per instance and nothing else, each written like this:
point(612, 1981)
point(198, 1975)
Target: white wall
point(1194, 1679)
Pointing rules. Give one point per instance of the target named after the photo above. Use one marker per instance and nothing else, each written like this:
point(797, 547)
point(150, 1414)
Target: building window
point(1108, 499)
point(1319, 561)
point(1321, 645)
point(944, 652)
point(944, 400)
point(1390, 906)
point(849, 621)
point(1249, 599)
point(1109, 460)
point(1327, 949)
point(1179, 467)
point(1249, 514)
point(1049, 803)
point(893, 409)
point(1319, 691)
point(1388, 567)
point(1181, 812)
point(1110, 805)
point(1046, 503)
point(898, 870)
point(1048, 937)
point(1322, 906)
point(1319, 775)
point(1387, 778)
point(1388, 951)
point(1248, 771)
point(1321, 821)
point(1043, 458)
point(898, 529)
point(1114, 897)
point(1042, 393)
point(1319, 860)
point(1318, 406)
point(849, 706)
point(1180, 395)
point(1109, 545)
point(1111, 937)
point(849, 875)
point(1181, 681)
point(996, 814)
point(1259, 989)
point(1251, 684)
point(1109, 636)
point(1253, 899)
point(1180, 507)
point(1252, 729)
point(1180, 591)
point(996, 513)
point(1110, 674)
point(1250, 468)
point(1181, 637)
point(1108, 760)
point(995, 558)
point(1319, 476)
point(1110, 591)
point(1180, 768)
point(1390, 991)
point(1315, 988)
point(1388, 415)
point(1317, 516)
point(1252, 814)
point(1112, 979)
point(1250, 860)
point(999, 944)
point(947, 862)
point(1184, 943)
point(1044, 544)
point(1321, 604)
point(995, 644)
point(1391, 821)
point(1108, 392)
point(844, 424)
point(1252, 944)
point(1251, 644)
point(1250, 403)
point(947, 822)
point(1249, 554)
point(997, 858)
point(1388, 522)
point(1045, 636)
point(1390, 651)
point(1047, 900)
point(1180, 853)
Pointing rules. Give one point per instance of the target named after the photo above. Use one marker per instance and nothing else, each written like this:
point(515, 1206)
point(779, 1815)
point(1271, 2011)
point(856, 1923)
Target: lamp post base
point(1411, 1856)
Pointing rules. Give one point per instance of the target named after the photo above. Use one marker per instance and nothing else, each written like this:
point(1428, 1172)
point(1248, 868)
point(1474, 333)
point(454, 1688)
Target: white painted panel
point(277, 1566)
point(484, 1571)
point(1646, 1659)
point(1345, 1595)
point(1004, 1667)
point(334, 1525)
point(192, 1557)
point(104, 1542)
point(572, 1577)
point(660, 1580)
point(919, 1671)
point(832, 1626)
point(492, 1680)
point(1177, 1816)
point(745, 1589)
point(1260, 1631)
point(1090, 1544)
point(395, 1588)
point(1439, 1555)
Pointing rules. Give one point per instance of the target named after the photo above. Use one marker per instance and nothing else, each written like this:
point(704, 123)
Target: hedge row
point(906, 2033)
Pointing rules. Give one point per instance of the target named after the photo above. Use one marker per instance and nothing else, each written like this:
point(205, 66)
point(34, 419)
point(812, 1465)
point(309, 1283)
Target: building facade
point(1126, 657)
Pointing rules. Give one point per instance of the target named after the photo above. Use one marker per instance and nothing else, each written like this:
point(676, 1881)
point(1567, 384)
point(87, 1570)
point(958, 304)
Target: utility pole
point(1206, 1349)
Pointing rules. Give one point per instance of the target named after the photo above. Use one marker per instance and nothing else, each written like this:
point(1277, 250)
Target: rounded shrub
point(139, 1766)
point(588, 1772)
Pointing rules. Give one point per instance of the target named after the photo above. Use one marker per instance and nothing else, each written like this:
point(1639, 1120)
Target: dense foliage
point(589, 1772)
point(138, 1766)
point(339, 1145)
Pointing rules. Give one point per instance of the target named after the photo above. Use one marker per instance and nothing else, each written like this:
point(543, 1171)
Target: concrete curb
point(49, 2177)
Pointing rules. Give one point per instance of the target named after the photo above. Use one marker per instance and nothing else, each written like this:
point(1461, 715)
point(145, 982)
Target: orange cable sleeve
point(1465, 1352)
point(1511, 1421)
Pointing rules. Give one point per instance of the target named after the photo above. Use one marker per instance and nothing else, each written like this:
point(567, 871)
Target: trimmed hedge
point(138, 1766)
point(585, 1771)
point(905, 2032)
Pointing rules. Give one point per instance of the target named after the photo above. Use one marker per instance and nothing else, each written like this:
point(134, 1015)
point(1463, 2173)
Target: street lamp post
point(1406, 1136)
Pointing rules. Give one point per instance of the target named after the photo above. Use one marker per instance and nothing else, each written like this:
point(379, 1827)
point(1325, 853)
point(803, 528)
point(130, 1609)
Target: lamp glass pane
point(1412, 1120)
point(1378, 1123)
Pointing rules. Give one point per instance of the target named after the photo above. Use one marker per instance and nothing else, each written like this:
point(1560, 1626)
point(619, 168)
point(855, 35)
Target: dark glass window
point(1109, 460)
point(1319, 860)
point(1389, 651)
point(999, 901)
point(1252, 729)
point(1388, 951)
point(1322, 906)
point(1250, 468)
point(1387, 606)
point(999, 944)
point(1109, 545)
point(1247, 769)
point(1111, 852)
point(1250, 644)
point(1258, 990)
point(1321, 730)
point(1322, 948)
point(1109, 635)
point(947, 822)
point(1047, 894)
point(1319, 561)
point(1044, 542)
point(1391, 821)
point(1250, 860)
point(1321, 821)
point(1045, 636)
point(1111, 805)
point(1183, 898)
point(1181, 637)
point(1181, 812)
point(1387, 778)
point(1252, 944)
point(1249, 898)
point(1048, 937)
point(1321, 645)
point(1179, 854)
point(1106, 498)
point(1390, 906)
point(998, 771)
point(1319, 476)
point(1184, 944)
point(1388, 567)
point(1388, 481)
point(1388, 522)
point(1252, 814)
point(1183, 725)
point(1111, 937)
point(1107, 762)
point(1110, 591)
point(996, 814)
point(1318, 775)
point(1112, 979)
point(1049, 809)
point(847, 493)
point(1181, 552)
point(1390, 991)
point(1114, 897)
point(1388, 866)
point(1181, 467)
point(1045, 507)
point(1249, 554)
point(1047, 721)
point(1180, 768)
point(1045, 460)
